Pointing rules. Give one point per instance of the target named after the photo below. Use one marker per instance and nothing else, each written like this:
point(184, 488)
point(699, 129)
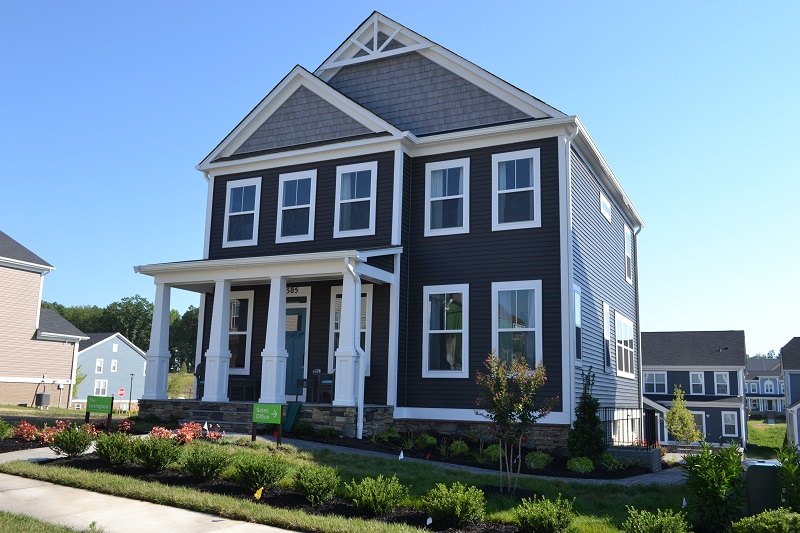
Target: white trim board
point(465, 415)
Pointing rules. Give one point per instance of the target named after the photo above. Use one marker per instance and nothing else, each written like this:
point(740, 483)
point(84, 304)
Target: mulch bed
point(13, 445)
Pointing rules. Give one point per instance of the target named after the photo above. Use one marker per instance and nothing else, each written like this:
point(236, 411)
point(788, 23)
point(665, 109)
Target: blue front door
point(296, 348)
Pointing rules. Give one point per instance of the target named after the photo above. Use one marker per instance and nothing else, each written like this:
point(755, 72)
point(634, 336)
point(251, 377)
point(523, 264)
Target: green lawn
point(19, 523)
point(181, 385)
point(763, 439)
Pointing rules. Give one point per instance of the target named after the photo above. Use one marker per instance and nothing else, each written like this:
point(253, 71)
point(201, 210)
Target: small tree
point(79, 377)
point(586, 437)
point(508, 397)
point(680, 421)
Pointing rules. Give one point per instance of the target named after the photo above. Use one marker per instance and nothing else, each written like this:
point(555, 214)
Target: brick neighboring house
point(765, 392)
point(790, 368)
point(709, 367)
point(38, 348)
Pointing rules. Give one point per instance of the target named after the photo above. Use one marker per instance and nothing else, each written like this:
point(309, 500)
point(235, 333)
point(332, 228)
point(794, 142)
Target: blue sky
point(106, 107)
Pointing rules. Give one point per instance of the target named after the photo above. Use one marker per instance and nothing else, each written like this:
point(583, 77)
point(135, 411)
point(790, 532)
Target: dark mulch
point(13, 445)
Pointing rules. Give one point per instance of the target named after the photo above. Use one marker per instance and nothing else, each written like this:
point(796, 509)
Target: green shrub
point(544, 516)
point(156, 454)
point(329, 434)
point(715, 483)
point(425, 440)
point(72, 441)
point(454, 506)
point(114, 448)
point(772, 521)
point(254, 471)
point(457, 448)
point(610, 463)
point(586, 437)
point(789, 476)
point(302, 427)
point(377, 496)
point(667, 521)
point(538, 460)
point(493, 452)
point(316, 483)
point(581, 465)
point(6, 430)
point(205, 461)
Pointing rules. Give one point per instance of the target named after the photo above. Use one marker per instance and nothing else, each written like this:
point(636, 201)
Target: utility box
point(42, 399)
point(763, 490)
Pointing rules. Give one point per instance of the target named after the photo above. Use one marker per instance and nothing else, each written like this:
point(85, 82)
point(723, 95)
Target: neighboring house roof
point(99, 338)
point(790, 355)
point(13, 254)
point(693, 348)
point(758, 367)
point(54, 326)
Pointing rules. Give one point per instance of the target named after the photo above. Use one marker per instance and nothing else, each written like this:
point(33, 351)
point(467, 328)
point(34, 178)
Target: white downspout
point(571, 282)
point(361, 367)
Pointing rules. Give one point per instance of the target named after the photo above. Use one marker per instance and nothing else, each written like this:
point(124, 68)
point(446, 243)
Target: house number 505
point(291, 290)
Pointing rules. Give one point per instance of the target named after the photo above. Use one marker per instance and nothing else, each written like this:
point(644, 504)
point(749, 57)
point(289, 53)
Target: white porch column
point(347, 357)
point(155, 380)
point(218, 355)
point(274, 356)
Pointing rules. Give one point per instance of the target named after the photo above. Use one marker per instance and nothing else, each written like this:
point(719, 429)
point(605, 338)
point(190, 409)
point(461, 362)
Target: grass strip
point(20, 523)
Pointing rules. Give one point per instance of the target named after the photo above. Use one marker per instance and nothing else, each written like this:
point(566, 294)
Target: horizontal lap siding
point(480, 258)
point(598, 248)
point(324, 211)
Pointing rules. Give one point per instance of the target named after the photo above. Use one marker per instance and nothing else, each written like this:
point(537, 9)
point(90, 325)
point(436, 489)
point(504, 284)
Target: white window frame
point(607, 348)
point(735, 424)
point(702, 383)
point(754, 404)
point(783, 390)
point(628, 254)
point(769, 387)
point(235, 295)
point(311, 206)
point(537, 191)
point(463, 164)
point(655, 382)
point(337, 291)
point(727, 384)
point(629, 358)
point(536, 287)
point(100, 387)
point(372, 166)
point(605, 206)
point(753, 388)
point(115, 347)
point(113, 365)
point(235, 184)
point(578, 329)
point(426, 322)
point(703, 413)
point(98, 366)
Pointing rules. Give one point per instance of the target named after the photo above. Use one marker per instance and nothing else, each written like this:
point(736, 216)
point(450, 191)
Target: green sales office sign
point(267, 413)
point(99, 404)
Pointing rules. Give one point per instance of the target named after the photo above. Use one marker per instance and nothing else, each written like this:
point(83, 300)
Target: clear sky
point(105, 108)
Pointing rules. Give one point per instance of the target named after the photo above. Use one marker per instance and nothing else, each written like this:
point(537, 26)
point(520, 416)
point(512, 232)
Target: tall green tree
point(133, 317)
point(680, 421)
point(586, 437)
point(183, 339)
point(87, 318)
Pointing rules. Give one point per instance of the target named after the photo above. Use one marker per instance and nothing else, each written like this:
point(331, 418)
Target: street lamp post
point(130, 397)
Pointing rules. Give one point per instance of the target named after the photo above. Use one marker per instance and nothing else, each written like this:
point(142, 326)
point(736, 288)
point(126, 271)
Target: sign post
point(268, 413)
point(100, 404)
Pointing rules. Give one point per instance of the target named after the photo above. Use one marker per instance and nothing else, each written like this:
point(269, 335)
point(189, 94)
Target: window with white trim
point(624, 335)
point(729, 425)
point(240, 332)
point(517, 320)
point(700, 422)
point(578, 331)
point(296, 199)
point(113, 365)
point(769, 387)
point(100, 387)
point(628, 255)
point(754, 405)
point(516, 193)
point(696, 383)
point(365, 325)
point(783, 390)
point(115, 347)
point(445, 342)
point(241, 213)
point(447, 197)
point(98, 366)
point(355, 199)
point(721, 385)
point(607, 335)
point(655, 382)
point(605, 207)
point(754, 387)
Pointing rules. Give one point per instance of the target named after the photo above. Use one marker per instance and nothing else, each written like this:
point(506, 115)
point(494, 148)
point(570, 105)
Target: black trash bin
point(42, 399)
point(761, 479)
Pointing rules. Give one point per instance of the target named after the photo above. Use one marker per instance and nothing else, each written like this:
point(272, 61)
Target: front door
point(296, 348)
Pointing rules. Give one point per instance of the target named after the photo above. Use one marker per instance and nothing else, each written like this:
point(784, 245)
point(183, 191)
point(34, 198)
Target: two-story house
point(790, 368)
point(38, 348)
point(764, 387)
point(709, 368)
point(110, 363)
point(391, 218)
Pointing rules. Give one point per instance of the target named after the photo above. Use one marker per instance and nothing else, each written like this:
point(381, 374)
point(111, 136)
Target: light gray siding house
point(110, 362)
point(765, 391)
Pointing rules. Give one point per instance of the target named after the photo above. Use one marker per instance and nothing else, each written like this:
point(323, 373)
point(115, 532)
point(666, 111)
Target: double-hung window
point(241, 213)
point(445, 344)
point(700, 422)
point(655, 382)
point(355, 199)
point(624, 333)
point(754, 387)
point(517, 320)
point(239, 332)
point(296, 194)
point(607, 335)
point(628, 255)
point(98, 366)
point(769, 387)
point(729, 425)
point(364, 325)
point(447, 197)
point(113, 365)
point(516, 192)
point(100, 387)
point(696, 383)
point(721, 386)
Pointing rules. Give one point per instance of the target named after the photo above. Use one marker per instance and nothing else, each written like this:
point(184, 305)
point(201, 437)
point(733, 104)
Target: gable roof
point(54, 326)
point(96, 339)
point(758, 367)
point(693, 348)
point(790, 355)
point(13, 254)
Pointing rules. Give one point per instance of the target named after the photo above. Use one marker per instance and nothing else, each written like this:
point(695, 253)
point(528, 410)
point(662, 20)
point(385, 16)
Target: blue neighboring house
point(790, 368)
point(709, 367)
point(765, 392)
point(110, 362)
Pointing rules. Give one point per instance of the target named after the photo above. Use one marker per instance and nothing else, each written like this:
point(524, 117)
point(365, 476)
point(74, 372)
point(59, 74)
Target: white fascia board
point(48, 381)
point(464, 415)
point(686, 368)
point(294, 80)
point(60, 337)
point(25, 265)
point(653, 404)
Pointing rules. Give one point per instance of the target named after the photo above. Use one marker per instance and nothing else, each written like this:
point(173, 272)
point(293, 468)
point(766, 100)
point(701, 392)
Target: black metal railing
point(629, 426)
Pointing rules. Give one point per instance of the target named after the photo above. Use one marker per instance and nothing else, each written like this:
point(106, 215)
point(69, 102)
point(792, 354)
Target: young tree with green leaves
point(680, 421)
point(79, 377)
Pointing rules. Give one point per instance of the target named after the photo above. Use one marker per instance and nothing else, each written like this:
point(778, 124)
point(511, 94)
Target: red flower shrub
point(90, 429)
point(125, 426)
point(160, 433)
point(189, 431)
point(24, 430)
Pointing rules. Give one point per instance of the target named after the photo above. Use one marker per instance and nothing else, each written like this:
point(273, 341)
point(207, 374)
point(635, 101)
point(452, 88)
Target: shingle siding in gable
point(413, 93)
point(598, 248)
point(304, 118)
